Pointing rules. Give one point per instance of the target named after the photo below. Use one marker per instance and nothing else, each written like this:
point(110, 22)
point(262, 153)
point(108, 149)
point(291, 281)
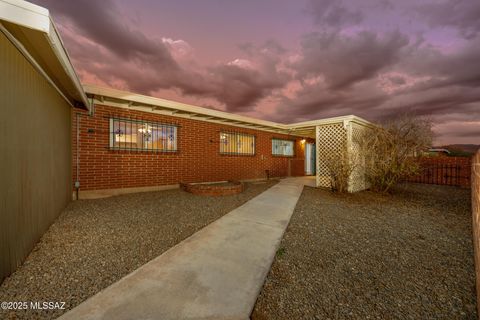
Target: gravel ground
point(96, 242)
point(369, 256)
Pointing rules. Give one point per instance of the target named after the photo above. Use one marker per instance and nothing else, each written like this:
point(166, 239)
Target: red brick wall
point(476, 219)
point(197, 160)
point(297, 167)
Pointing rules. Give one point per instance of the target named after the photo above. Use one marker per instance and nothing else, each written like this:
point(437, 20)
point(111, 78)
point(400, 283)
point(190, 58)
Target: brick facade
point(234, 187)
point(197, 160)
point(476, 220)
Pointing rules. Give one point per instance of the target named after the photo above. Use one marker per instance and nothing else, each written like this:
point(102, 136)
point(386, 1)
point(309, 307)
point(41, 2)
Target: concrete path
point(217, 273)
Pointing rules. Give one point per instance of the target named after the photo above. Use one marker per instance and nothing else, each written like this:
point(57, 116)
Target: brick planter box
point(213, 189)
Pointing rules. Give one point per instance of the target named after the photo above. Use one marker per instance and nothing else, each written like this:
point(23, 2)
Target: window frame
point(293, 141)
point(237, 134)
point(153, 124)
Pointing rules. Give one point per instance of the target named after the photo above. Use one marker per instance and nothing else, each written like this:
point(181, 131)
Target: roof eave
point(30, 16)
point(118, 98)
point(173, 106)
point(62, 55)
point(313, 123)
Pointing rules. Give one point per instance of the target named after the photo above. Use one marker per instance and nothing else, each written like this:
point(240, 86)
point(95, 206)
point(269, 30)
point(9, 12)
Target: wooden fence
point(476, 219)
point(453, 171)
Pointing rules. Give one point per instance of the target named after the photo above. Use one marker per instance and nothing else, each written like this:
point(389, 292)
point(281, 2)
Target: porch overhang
point(133, 101)
point(308, 128)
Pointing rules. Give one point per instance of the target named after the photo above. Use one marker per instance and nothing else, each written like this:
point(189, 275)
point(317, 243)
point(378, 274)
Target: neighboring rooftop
point(439, 150)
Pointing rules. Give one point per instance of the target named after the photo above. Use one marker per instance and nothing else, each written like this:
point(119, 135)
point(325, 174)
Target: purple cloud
point(458, 14)
point(371, 58)
point(333, 13)
point(346, 60)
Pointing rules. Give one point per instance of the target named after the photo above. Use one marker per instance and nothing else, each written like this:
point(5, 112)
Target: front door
point(310, 159)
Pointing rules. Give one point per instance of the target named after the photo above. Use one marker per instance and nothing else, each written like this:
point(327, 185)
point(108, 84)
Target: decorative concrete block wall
point(331, 140)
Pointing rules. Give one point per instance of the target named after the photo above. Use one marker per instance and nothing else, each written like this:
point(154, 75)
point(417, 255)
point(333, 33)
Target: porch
point(334, 137)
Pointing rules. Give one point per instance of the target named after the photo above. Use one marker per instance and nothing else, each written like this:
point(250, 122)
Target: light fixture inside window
point(145, 129)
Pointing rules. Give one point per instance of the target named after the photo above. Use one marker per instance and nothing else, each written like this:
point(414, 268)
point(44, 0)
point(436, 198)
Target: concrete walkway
point(217, 273)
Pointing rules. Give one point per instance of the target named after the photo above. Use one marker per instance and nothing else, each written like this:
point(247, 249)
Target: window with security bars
point(282, 147)
point(237, 143)
point(128, 134)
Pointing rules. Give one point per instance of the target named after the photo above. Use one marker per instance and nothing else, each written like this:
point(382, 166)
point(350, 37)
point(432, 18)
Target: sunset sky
point(287, 61)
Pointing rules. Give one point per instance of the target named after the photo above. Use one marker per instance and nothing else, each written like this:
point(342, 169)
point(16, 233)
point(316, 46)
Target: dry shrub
point(340, 166)
point(391, 150)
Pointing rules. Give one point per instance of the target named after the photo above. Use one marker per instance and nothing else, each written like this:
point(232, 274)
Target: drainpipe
point(91, 113)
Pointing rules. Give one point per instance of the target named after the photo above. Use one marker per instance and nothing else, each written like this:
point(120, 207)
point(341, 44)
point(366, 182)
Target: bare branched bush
point(391, 150)
point(340, 166)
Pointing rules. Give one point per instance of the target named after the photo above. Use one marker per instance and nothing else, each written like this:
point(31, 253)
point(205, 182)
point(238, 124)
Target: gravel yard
point(96, 242)
point(368, 256)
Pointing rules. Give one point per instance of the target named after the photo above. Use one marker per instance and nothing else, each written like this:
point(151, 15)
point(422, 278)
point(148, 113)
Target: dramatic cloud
point(239, 86)
point(242, 83)
point(452, 68)
point(109, 50)
point(103, 23)
point(333, 13)
point(458, 14)
point(346, 60)
point(392, 78)
point(295, 61)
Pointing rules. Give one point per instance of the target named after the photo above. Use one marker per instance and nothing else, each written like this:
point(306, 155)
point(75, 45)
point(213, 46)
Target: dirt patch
point(96, 242)
point(367, 256)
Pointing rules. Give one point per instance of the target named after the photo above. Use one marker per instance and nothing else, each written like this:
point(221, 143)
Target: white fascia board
point(187, 116)
point(173, 105)
point(326, 121)
point(25, 14)
point(205, 113)
point(59, 49)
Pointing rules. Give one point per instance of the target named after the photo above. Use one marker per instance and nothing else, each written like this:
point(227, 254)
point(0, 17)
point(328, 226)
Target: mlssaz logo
point(47, 305)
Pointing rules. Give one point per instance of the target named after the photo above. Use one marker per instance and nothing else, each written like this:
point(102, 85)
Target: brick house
point(131, 143)
point(61, 137)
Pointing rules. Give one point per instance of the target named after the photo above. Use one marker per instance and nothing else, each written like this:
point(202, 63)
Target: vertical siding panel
point(35, 156)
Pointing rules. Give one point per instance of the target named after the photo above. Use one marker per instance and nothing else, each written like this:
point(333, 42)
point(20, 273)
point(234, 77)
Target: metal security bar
point(139, 135)
point(282, 147)
point(236, 143)
point(443, 174)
